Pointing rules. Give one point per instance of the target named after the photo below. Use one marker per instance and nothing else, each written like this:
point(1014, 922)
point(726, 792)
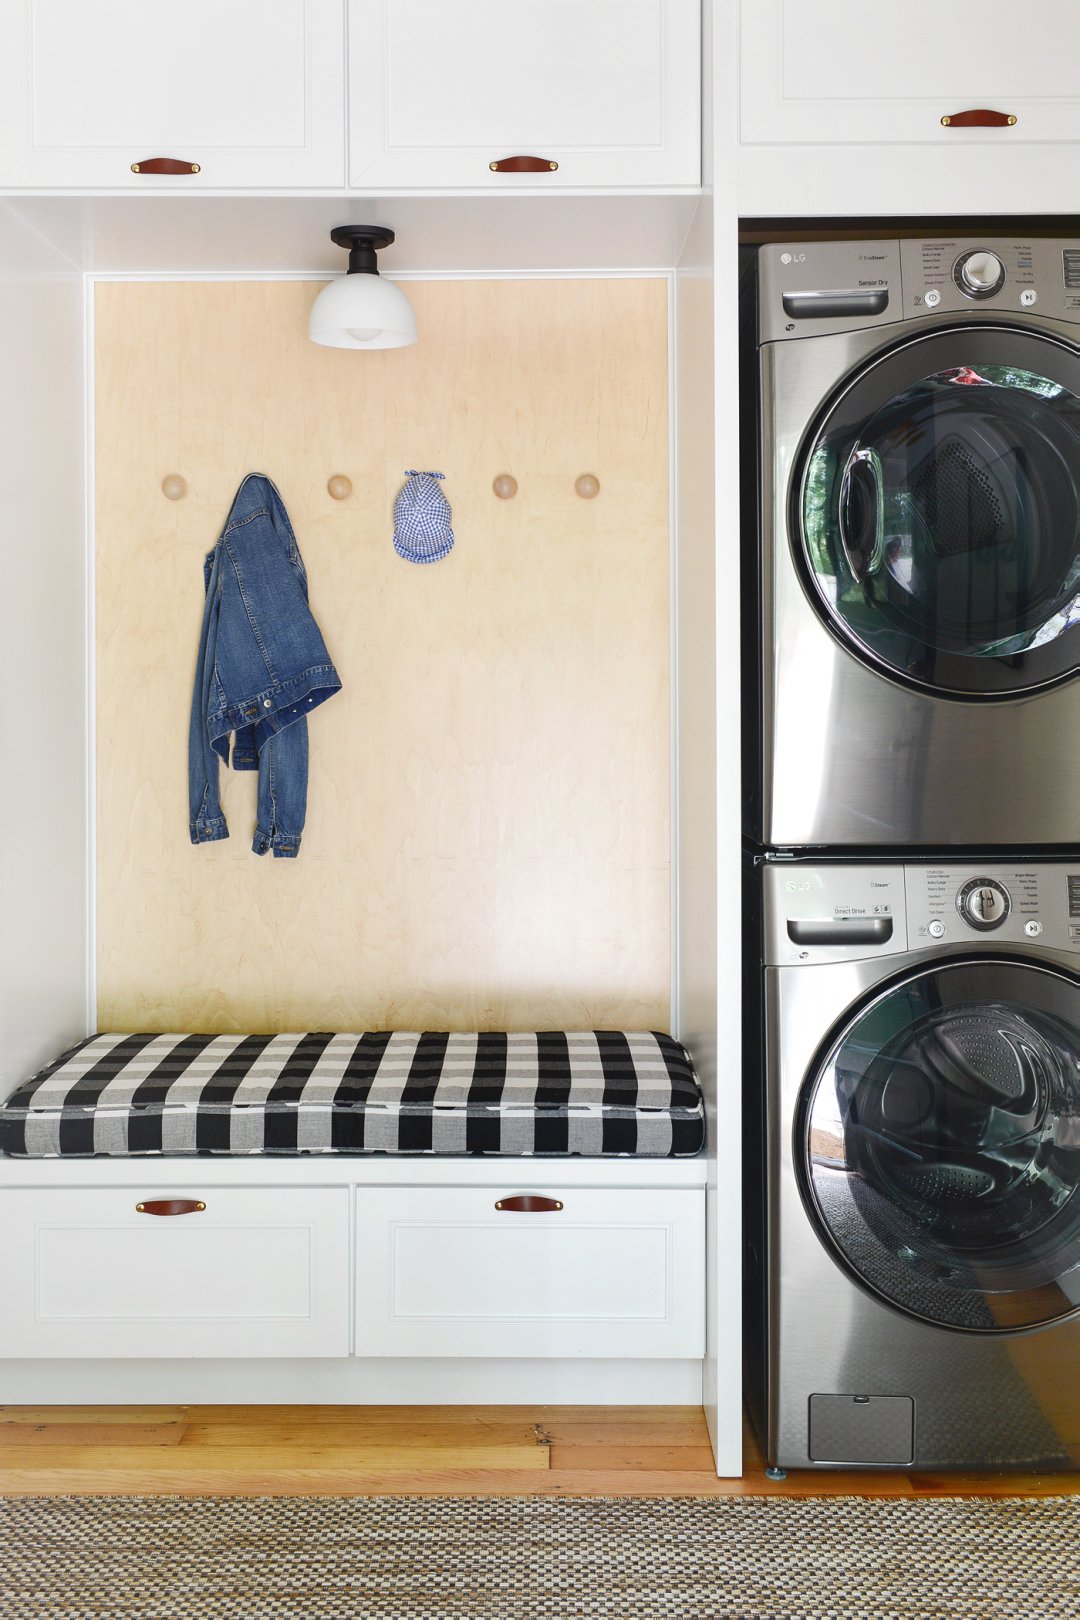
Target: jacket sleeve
point(207, 823)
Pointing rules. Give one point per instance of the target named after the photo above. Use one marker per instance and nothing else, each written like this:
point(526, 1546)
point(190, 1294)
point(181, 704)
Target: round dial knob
point(984, 903)
point(979, 274)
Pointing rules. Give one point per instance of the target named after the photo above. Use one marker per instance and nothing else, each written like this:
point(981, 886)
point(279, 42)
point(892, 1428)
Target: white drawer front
point(255, 1273)
point(442, 1272)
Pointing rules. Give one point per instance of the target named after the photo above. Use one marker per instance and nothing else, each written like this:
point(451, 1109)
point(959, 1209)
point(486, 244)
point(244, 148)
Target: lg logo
point(793, 258)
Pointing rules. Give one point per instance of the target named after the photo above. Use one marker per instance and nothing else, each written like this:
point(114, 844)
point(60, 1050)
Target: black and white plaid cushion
point(593, 1092)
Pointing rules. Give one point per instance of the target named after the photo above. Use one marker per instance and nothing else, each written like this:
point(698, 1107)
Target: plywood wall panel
point(488, 839)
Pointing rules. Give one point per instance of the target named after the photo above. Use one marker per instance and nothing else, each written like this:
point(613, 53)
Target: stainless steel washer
point(919, 1245)
point(920, 576)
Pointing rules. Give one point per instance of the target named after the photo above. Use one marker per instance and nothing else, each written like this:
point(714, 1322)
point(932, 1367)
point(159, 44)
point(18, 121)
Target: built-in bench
point(445, 1197)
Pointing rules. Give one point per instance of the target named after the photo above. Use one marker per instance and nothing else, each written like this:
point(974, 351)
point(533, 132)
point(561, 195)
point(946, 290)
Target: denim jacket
point(263, 666)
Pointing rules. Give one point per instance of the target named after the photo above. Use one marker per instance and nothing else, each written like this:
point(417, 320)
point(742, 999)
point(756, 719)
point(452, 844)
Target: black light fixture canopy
point(362, 242)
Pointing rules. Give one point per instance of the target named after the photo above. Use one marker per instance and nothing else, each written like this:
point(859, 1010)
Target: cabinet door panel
point(253, 1273)
point(250, 91)
point(445, 1272)
point(607, 89)
point(836, 71)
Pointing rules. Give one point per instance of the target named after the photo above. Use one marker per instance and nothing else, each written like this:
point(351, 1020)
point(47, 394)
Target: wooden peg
point(339, 487)
point(173, 487)
point(587, 486)
point(505, 486)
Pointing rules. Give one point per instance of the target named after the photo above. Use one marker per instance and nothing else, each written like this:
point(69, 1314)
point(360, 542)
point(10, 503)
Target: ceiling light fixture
point(360, 310)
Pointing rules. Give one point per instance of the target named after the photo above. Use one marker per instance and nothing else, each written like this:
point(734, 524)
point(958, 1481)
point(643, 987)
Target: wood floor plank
point(22, 1436)
point(96, 1415)
point(631, 1459)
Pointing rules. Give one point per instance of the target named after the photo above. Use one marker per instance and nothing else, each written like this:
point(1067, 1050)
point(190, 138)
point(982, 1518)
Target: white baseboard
point(352, 1381)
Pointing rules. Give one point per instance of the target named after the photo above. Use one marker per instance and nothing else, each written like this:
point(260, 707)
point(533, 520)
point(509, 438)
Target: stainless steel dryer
point(920, 504)
point(921, 1259)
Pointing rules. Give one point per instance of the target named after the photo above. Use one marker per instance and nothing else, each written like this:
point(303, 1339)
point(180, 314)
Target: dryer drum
point(938, 519)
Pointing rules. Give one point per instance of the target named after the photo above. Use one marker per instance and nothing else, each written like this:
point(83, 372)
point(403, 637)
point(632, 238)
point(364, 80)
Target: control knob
point(984, 903)
point(979, 274)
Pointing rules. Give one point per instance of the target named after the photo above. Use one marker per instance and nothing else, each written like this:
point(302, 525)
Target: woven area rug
point(408, 1558)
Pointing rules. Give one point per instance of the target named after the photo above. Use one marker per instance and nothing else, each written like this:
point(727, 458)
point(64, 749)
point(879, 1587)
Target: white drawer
point(256, 1272)
point(445, 1272)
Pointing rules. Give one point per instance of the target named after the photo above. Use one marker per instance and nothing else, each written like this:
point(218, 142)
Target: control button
point(1029, 297)
point(984, 903)
point(1033, 928)
point(979, 274)
point(936, 929)
point(932, 298)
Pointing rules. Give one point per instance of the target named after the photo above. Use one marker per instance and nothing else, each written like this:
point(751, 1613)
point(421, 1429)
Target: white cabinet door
point(239, 93)
point(444, 1272)
point(600, 92)
point(833, 71)
point(255, 1272)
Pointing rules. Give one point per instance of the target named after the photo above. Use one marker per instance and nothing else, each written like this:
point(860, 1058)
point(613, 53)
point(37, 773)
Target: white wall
point(43, 819)
point(707, 676)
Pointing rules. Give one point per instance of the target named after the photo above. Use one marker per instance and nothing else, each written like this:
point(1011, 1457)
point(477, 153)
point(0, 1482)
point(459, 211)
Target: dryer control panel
point(851, 912)
point(808, 288)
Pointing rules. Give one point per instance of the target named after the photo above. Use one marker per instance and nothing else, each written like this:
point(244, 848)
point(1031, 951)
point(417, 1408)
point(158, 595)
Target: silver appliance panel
point(976, 1397)
point(851, 757)
point(808, 288)
point(818, 914)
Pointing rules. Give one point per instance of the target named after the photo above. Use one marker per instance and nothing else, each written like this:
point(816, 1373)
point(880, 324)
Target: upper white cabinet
point(840, 71)
point(593, 93)
point(245, 93)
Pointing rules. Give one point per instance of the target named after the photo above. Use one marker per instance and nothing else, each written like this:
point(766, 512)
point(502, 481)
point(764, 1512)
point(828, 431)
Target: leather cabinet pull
point(523, 165)
point(979, 118)
point(529, 1204)
point(165, 166)
point(170, 1206)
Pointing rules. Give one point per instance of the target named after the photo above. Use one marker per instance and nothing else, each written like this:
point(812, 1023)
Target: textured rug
point(407, 1558)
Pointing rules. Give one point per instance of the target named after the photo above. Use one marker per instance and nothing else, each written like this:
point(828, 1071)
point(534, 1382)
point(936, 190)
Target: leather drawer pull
point(165, 166)
point(529, 1204)
point(979, 118)
point(523, 165)
point(170, 1206)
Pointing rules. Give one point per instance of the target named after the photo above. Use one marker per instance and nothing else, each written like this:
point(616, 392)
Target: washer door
point(937, 514)
point(939, 1143)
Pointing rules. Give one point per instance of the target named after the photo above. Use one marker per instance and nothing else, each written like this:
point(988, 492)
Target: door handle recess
point(523, 165)
point(529, 1204)
point(862, 559)
point(859, 931)
point(165, 166)
point(170, 1206)
point(978, 118)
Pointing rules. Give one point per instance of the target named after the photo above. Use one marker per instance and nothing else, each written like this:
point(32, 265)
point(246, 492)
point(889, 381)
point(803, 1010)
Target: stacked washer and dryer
point(913, 826)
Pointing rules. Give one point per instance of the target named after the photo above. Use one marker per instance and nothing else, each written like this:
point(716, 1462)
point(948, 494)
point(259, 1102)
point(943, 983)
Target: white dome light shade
point(361, 310)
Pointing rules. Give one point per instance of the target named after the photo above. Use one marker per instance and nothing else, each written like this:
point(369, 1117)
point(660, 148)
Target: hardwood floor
point(418, 1450)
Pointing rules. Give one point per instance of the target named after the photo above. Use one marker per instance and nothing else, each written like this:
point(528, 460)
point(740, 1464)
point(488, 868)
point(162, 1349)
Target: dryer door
point(937, 512)
point(939, 1144)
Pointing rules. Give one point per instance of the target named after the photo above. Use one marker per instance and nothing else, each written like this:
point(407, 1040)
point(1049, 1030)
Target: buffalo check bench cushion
point(594, 1092)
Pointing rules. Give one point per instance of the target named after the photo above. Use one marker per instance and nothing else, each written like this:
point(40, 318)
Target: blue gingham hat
point(422, 518)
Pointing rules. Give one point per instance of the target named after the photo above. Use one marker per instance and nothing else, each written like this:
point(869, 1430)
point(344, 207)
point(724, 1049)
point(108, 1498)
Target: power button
point(936, 929)
point(932, 298)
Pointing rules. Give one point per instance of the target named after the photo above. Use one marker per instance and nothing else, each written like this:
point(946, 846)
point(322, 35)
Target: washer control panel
point(807, 288)
point(820, 912)
point(1002, 275)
